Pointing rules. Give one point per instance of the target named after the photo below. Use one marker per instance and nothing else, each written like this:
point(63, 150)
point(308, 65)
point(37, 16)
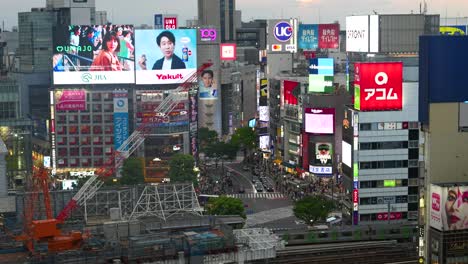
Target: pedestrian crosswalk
point(262, 195)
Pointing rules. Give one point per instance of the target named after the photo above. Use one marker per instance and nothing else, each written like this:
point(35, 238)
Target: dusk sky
point(308, 11)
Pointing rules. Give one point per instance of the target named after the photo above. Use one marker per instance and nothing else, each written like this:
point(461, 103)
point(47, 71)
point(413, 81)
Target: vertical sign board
point(357, 34)
point(193, 123)
point(120, 117)
point(307, 36)
point(170, 22)
point(158, 21)
point(378, 86)
point(329, 36)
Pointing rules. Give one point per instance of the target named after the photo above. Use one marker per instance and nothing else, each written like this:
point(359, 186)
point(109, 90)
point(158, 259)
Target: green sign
point(357, 96)
point(389, 183)
point(320, 84)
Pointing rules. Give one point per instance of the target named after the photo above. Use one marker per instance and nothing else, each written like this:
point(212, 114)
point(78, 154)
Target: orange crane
point(47, 230)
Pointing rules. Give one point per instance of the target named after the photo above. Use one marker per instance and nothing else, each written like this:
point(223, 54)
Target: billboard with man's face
point(208, 88)
point(165, 56)
point(449, 207)
point(93, 54)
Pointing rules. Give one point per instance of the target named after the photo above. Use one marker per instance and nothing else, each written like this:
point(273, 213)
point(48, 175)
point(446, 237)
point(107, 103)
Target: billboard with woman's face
point(93, 54)
point(165, 56)
point(449, 207)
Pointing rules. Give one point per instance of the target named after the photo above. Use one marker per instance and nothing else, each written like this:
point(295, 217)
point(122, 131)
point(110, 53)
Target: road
point(269, 209)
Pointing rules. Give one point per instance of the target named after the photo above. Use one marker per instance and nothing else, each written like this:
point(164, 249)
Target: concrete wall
point(448, 148)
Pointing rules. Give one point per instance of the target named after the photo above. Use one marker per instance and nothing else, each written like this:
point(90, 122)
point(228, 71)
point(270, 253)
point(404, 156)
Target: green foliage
point(132, 172)
point(181, 169)
point(245, 138)
point(221, 151)
point(224, 205)
point(312, 208)
point(206, 136)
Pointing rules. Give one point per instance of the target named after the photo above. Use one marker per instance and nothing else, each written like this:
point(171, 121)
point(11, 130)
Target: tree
point(181, 169)
point(132, 171)
point(206, 136)
point(224, 205)
point(312, 208)
point(221, 151)
point(245, 138)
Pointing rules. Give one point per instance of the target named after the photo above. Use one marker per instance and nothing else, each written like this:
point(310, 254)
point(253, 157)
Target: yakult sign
point(378, 86)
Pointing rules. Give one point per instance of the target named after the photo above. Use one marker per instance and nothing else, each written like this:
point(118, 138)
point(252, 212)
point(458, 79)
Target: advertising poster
point(378, 86)
point(308, 36)
point(93, 54)
point(319, 121)
point(263, 101)
point(321, 72)
point(165, 56)
point(208, 88)
point(292, 90)
point(321, 161)
point(120, 117)
point(357, 33)
point(282, 35)
point(449, 207)
point(329, 36)
point(70, 100)
point(457, 30)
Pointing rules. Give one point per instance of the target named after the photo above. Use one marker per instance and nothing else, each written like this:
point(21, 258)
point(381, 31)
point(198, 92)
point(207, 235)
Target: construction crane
point(46, 230)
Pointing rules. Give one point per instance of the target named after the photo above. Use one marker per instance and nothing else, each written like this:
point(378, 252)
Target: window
point(97, 151)
point(86, 151)
point(96, 97)
point(97, 140)
point(412, 206)
point(388, 164)
point(412, 172)
point(107, 96)
point(74, 151)
point(61, 140)
point(108, 118)
point(108, 150)
point(73, 130)
point(98, 162)
point(365, 127)
point(97, 118)
point(85, 129)
point(108, 107)
point(73, 119)
point(62, 152)
point(85, 119)
point(413, 182)
point(85, 162)
point(412, 198)
point(109, 129)
point(97, 108)
point(413, 134)
point(74, 162)
point(61, 119)
point(108, 140)
point(413, 190)
point(413, 154)
point(61, 130)
point(74, 140)
point(85, 140)
point(7, 110)
point(97, 129)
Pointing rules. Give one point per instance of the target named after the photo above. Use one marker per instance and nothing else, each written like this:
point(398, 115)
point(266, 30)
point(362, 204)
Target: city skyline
point(308, 11)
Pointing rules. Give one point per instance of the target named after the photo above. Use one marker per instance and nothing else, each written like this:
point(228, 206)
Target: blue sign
point(322, 66)
point(307, 37)
point(158, 21)
point(120, 128)
point(283, 31)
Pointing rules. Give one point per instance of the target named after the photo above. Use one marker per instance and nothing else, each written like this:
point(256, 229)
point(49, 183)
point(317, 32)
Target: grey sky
point(309, 11)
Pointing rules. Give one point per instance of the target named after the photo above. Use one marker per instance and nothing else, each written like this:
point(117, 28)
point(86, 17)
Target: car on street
point(269, 188)
point(241, 190)
point(259, 187)
point(255, 179)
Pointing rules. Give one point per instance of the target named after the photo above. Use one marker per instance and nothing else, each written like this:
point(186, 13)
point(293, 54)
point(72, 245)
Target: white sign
point(97, 77)
point(320, 170)
point(346, 153)
point(357, 33)
point(81, 174)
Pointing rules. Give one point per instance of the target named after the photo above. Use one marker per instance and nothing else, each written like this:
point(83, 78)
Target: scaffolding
point(104, 201)
point(166, 200)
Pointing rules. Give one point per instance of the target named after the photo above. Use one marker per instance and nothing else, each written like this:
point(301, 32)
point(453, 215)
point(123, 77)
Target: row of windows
point(383, 145)
point(85, 129)
point(62, 119)
point(85, 151)
point(8, 110)
point(383, 183)
point(388, 126)
point(83, 162)
point(381, 200)
point(85, 140)
point(387, 164)
point(375, 217)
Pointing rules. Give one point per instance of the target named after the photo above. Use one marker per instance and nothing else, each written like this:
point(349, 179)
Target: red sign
point(435, 202)
point(289, 97)
point(308, 54)
point(228, 51)
point(378, 86)
point(170, 22)
point(393, 216)
point(70, 100)
point(329, 36)
point(355, 196)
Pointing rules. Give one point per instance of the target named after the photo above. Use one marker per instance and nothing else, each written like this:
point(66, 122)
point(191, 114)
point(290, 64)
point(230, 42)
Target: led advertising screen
point(321, 84)
point(165, 56)
point(263, 113)
point(93, 54)
point(329, 36)
point(322, 66)
point(228, 51)
point(378, 86)
point(320, 120)
point(455, 30)
point(263, 96)
point(449, 207)
point(208, 87)
point(322, 161)
point(347, 153)
point(291, 91)
point(264, 143)
point(357, 33)
point(70, 100)
point(308, 36)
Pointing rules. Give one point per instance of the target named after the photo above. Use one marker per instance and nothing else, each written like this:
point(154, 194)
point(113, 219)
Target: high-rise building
point(221, 14)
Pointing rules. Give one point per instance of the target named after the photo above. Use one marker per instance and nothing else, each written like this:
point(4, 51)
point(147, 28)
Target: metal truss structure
point(165, 200)
point(101, 203)
point(258, 239)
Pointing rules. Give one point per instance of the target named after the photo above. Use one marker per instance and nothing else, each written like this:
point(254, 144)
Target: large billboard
point(282, 35)
point(322, 160)
point(320, 121)
point(362, 33)
point(329, 36)
point(321, 71)
point(165, 56)
point(308, 36)
point(449, 207)
point(457, 30)
point(70, 100)
point(290, 92)
point(93, 54)
point(378, 86)
point(208, 87)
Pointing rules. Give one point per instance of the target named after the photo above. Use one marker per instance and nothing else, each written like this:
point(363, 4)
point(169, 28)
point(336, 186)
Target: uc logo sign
point(282, 31)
